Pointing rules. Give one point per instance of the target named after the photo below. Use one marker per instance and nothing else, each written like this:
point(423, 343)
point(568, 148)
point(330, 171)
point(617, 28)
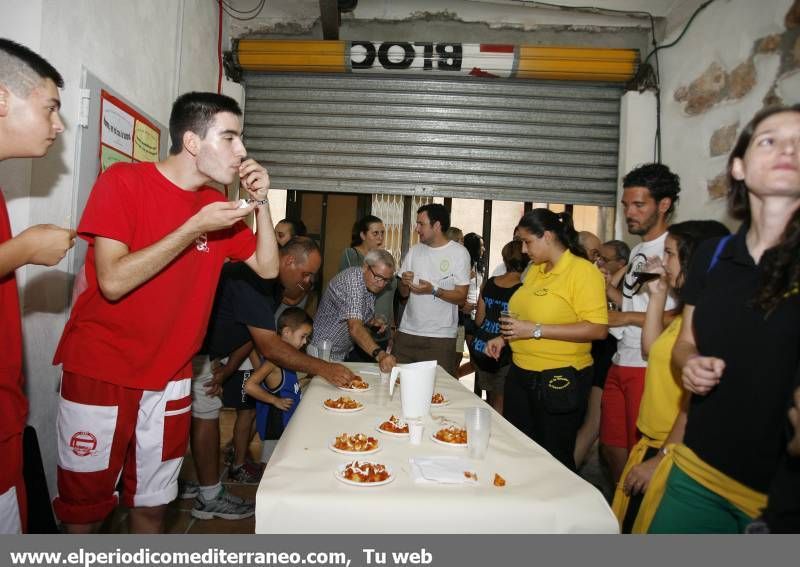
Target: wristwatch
point(376, 352)
point(434, 290)
point(537, 331)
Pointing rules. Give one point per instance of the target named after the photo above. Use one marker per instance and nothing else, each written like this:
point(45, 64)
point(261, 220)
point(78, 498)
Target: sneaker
point(248, 473)
point(225, 506)
point(187, 488)
point(228, 452)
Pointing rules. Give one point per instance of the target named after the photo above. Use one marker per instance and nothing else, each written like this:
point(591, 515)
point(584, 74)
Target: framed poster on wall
point(125, 134)
point(112, 129)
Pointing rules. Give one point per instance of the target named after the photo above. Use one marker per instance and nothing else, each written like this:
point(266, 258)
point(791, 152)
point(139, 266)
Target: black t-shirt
point(243, 299)
point(495, 300)
point(739, 427)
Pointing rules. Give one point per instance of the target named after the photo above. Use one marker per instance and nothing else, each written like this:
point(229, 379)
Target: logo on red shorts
point(83, 443)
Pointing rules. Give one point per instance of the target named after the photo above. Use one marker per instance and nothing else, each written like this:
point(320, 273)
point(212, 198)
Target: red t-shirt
point(150, 335)
point(13, 405)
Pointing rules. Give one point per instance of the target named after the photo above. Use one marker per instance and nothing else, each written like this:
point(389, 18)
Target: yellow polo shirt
point(661, 400)
point(573, 291)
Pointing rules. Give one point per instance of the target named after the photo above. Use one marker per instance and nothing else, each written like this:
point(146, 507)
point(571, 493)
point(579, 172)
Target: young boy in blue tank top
point(277, 390)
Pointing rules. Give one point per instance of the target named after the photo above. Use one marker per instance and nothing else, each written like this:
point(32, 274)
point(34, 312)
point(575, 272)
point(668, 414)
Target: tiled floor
point(180, 521)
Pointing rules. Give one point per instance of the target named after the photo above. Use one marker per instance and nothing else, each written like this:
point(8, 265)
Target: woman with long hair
point(554, 317)
point(661, 418)
point(473, 242)
point(490, 374)
point(369, 233)
point(739, 343)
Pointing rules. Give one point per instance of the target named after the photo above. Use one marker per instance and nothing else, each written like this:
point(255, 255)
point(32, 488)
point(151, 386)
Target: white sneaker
point(225, 506)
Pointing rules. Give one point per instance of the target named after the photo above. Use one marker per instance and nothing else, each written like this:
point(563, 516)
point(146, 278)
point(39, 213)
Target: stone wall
point(737, 57)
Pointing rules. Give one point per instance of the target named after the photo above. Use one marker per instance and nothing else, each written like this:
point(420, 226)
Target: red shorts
point(622, 395)
point(106, 431)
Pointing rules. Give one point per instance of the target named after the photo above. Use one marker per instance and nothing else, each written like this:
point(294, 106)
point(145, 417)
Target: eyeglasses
point(603, 260)
point(381, 280)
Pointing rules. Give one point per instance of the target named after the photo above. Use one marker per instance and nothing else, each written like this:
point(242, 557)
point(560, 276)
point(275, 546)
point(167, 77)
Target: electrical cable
point(248, 11)
point(653, 71)
point(590, 9)
point(219, 50)
point(657, 73)
point(256, 11)
point(219, 63)
point(685, 29)
point(654, 52)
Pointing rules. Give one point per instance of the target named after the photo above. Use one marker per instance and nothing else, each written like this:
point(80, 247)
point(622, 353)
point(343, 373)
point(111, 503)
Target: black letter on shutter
point(449, 56)
point(408, 57)
point(428, 55)
point(369, 58)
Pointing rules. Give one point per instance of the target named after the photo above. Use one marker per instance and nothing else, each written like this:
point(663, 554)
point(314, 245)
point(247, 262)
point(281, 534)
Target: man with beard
point(435, 279)
point(649, 195)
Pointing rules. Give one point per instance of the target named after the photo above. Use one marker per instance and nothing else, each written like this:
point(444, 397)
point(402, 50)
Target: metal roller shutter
point(469, 138)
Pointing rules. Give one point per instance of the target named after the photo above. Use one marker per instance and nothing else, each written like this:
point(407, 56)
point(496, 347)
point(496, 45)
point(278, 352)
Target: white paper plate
point(342, 410)
point(333, 448)
point(440, 442)
point(356, 390)
point(389, 433)
point(338, 474)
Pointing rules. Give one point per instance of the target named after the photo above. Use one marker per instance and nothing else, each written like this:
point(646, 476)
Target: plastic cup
point(510, 314)
point(478, 422)
point(325, 350)
point(415, 430)
point(383, 388)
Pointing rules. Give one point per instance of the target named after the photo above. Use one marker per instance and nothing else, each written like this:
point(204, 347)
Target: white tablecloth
point(300, 494)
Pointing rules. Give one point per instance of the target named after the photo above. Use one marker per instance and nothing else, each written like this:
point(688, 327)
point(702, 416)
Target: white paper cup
point(415, 430)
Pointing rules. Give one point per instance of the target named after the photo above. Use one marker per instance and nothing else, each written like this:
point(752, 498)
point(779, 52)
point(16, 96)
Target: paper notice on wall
point(110, 156)
point(145, 142)
point(116, 128)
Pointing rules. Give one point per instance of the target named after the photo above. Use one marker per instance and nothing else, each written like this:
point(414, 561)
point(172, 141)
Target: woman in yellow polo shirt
point(556, 314)
point(660, 418)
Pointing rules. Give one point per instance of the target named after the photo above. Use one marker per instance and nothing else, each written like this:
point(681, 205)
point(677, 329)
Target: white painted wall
point(723, 32)
point(148, 50)
point(637, 134)
point(20, 22)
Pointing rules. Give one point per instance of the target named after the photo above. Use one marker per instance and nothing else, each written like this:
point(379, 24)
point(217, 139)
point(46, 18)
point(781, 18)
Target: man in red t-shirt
point(29, 124)
point(158, 237)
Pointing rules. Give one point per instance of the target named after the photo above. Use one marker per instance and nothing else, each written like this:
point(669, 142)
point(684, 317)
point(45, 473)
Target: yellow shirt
point(573, 291)
point(661, 400)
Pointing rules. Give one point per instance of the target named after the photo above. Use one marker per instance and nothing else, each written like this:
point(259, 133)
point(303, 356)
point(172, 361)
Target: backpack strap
point(718, 251)
point(352, 259)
